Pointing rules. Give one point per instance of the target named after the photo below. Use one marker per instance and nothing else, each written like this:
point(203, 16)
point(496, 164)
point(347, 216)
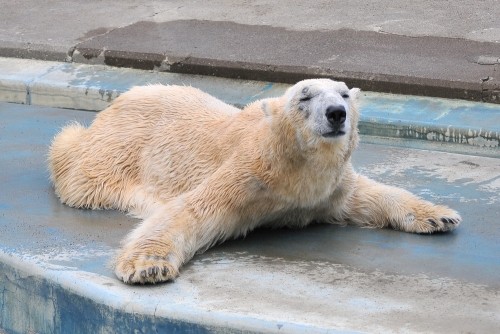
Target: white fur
point(199, 171)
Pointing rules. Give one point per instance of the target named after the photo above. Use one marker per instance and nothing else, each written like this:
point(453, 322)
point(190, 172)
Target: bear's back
point(155, 102)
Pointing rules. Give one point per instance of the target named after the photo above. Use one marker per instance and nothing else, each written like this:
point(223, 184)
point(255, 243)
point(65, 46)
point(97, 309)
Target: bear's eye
point(306, 98)
point(345, 96)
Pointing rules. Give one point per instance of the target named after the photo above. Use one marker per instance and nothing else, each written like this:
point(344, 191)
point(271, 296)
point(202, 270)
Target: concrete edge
point(393, 84)
point(27, 50)
point(479, 138)
point(376, 82)
point(93, 87)
point(59, 303)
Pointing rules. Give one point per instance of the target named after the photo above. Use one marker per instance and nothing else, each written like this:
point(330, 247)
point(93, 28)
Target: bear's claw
point(145, 269)
point(443, 224)
point(449, 221)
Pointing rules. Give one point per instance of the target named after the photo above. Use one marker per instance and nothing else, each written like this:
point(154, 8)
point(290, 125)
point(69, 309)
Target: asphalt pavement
point(429, 48)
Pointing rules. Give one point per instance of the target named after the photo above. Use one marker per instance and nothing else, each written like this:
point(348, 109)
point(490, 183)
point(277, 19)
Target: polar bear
point(199, 171)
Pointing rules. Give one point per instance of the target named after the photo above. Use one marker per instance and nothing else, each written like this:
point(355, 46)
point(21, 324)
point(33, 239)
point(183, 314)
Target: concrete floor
point(21, 21)
point(322, 278)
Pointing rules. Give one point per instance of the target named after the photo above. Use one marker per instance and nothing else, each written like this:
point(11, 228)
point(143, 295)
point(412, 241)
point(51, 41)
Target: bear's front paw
point(442, 224)
point(137, 267)
point(431, 218)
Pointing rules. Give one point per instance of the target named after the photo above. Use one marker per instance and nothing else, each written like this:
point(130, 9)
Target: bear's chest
point(309, 185)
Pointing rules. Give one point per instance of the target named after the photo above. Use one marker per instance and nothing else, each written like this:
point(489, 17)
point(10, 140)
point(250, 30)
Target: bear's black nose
point(336, 115)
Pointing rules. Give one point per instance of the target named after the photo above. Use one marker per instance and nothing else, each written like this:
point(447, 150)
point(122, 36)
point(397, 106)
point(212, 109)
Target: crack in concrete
point(55, 308)
point(28, 94)
point(156, 13)
point(490, 92)
point(2, 305)
point(74, 48)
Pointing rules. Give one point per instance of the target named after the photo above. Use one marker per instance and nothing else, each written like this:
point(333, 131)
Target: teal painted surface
point(442, 120)
point(431, 111)
point(93, 87)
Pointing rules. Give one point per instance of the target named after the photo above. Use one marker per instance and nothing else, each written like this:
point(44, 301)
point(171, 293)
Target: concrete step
point(55, 278)
point(461, 126)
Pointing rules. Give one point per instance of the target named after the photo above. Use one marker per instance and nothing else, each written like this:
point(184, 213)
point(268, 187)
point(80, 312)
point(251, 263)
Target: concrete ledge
point(64, 301)
point(431, 119)
point(93, 87)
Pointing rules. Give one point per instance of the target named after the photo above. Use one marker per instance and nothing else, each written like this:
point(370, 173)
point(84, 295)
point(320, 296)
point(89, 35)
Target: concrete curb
point(83, 302)
point(92, 87)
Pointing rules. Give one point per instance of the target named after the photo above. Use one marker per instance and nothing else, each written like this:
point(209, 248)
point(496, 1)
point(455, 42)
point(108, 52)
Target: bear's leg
point(190, 223)
point(373, 204)
point(162, 243)
point(156, 249)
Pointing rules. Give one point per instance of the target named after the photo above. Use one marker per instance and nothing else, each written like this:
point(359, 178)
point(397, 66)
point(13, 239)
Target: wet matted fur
point(199, 171)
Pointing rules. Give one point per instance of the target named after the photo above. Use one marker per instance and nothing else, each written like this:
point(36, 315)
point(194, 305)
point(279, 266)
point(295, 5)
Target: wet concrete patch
point(370, 60)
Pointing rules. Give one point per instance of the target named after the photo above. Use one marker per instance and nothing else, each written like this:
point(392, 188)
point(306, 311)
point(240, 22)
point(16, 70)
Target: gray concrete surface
point(472, 127)
point(321, 279)
point(432, 48)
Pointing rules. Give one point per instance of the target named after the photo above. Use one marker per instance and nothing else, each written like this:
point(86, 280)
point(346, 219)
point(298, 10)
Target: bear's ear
point(353, 92)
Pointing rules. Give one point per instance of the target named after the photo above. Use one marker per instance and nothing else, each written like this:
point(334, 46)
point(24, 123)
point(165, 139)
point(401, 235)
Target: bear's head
point(328, 108)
